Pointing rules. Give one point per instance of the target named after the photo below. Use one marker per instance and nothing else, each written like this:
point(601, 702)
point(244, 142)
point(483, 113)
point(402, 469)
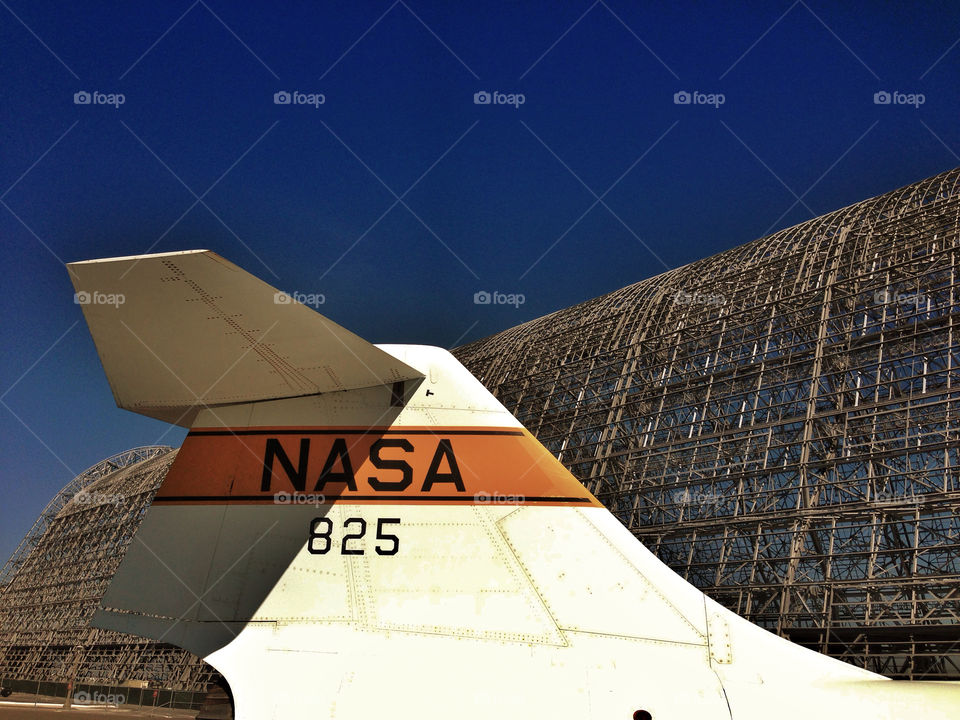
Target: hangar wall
point(779, 423)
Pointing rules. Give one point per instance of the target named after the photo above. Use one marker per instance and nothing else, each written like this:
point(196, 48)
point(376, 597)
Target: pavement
point(29, 707)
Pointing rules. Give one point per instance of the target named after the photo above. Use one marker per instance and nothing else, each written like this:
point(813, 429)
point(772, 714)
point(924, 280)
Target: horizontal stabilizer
point(177, 332)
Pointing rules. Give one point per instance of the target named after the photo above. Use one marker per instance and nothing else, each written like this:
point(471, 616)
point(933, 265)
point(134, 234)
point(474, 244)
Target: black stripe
point(325, 431)
point(347, 498)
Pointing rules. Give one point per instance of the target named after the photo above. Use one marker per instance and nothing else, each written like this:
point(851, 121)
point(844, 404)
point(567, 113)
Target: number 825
point(321, 540)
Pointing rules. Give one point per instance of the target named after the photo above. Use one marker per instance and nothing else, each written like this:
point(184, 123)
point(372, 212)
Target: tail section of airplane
point(177, 332)
point(351, 531)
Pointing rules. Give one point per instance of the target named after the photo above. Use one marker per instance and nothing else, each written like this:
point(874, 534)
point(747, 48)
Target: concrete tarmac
point(50, 709)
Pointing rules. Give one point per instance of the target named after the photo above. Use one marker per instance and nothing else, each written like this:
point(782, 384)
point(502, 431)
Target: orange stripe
point(420, 465)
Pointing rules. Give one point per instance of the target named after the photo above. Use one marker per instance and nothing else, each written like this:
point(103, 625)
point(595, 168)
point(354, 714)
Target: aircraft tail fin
point(177, 332)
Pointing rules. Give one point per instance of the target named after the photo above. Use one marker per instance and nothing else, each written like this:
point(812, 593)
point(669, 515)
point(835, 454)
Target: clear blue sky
point(493, 197)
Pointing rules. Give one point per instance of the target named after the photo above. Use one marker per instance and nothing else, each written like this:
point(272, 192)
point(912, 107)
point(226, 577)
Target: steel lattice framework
point(54, 581)
point(779, 423)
